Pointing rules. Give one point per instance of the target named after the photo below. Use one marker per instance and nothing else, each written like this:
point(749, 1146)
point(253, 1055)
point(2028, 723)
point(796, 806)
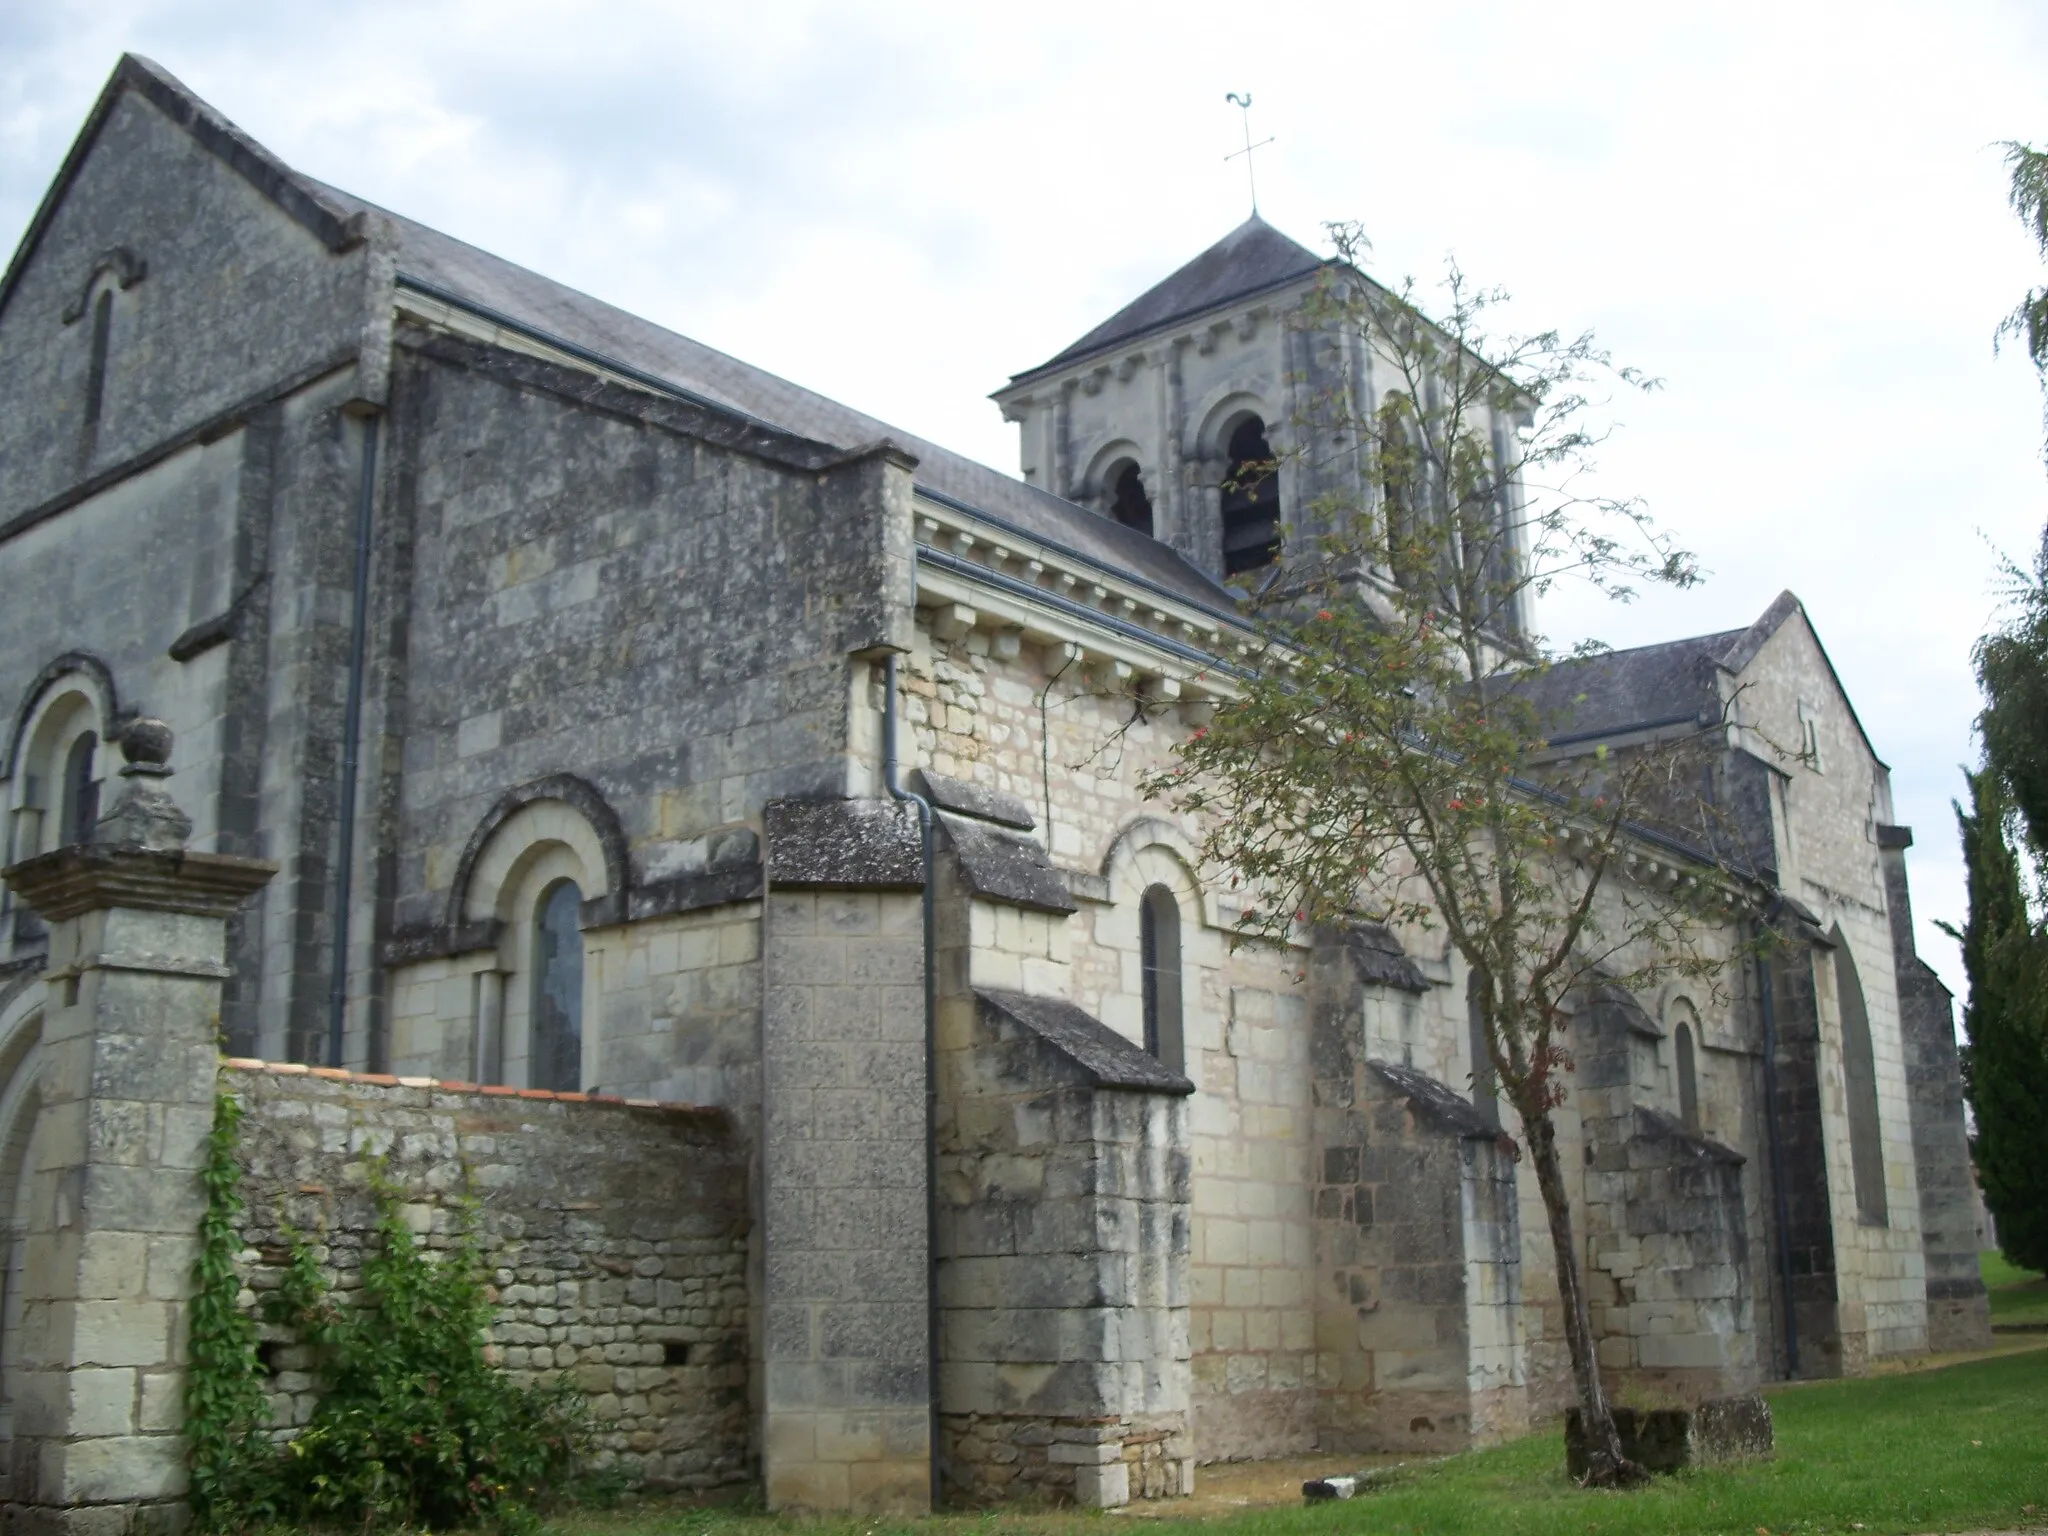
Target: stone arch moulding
point(127, 268)
point(99, 680)
point(1154, 832)
point(1096, 481)
point(597, 816)
point(1213, 420)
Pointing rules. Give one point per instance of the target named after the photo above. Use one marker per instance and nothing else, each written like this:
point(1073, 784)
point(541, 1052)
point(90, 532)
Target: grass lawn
point(2017, 1295)
point(1958, 1449)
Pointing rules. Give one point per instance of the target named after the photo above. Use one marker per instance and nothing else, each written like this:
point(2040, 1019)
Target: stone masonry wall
point(1668, 1272)
point(675, 1002)
point(846, 1326)
point(617, 1231)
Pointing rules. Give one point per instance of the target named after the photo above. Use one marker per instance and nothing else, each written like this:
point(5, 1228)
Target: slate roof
point(1250, 259)
point(497, 288)
point(1439, 1101)
point(1106, 1058)
point(1621, 691)
point(1658, 685)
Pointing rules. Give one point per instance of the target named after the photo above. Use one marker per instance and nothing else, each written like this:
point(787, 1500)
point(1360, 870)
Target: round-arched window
point(557, 1010)
point(1159, 943)
point(1131, 505)
point(79, 810)
point(1688, 1077)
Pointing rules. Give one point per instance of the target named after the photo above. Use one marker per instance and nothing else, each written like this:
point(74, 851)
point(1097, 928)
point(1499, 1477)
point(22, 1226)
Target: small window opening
point(675, 1353)
point(1401, 497)
point(80, 812)
point(1688, 1078)
point(558, 989)
point(1132, 507)
point(1251, 501)
point(96, 366)
point(1159, 942)
point(1859, 1075)
point(1809, 736)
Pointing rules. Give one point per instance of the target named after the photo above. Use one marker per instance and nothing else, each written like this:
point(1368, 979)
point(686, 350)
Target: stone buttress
point(1418, 1238)
point(1665, 1231)
point(1064, 1182)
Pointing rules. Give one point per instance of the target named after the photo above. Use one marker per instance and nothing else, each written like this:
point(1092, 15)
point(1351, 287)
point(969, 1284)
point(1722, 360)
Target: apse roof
point(1250, 259)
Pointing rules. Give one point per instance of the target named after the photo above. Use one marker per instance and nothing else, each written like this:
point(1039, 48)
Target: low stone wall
point(617, 1230)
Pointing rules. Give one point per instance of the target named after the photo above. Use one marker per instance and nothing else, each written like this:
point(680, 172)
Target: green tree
point(2027, 191)
point(2005, 1064)
point(1387, 756)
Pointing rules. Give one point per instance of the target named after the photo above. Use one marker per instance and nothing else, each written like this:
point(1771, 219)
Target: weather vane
point(1244, 104)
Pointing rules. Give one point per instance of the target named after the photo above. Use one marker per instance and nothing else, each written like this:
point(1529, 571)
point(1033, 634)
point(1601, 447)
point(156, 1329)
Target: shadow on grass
point(2019, 1297)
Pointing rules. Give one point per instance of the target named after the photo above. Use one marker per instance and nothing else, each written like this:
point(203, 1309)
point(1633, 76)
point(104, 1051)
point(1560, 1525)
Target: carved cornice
point(85, 878)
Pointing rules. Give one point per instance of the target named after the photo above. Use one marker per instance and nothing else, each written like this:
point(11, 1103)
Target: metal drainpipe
point(931, 1073)
point(351, 748)
point(1778, 1199)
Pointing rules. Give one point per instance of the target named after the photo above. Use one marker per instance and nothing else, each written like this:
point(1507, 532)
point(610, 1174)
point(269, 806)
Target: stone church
point(628, 727)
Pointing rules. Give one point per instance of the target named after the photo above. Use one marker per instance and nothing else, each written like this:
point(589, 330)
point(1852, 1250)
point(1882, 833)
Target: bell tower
point(1178, 415)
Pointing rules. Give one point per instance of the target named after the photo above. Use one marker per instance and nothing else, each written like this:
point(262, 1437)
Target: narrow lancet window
point(1251, 500)
point(1132, 507)
point(96, 364)
point(1688, 1078)
point(557, 1049)
point(1159, 942)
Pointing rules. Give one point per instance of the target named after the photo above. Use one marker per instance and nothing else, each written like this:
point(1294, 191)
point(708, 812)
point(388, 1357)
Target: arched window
point(1401, 500)
point(1132, 507)
point(1688, 1078)
point(79, 810)
point(1859, 1078)
point(1159, 944)
point(557, 1010)
point(1251, 500)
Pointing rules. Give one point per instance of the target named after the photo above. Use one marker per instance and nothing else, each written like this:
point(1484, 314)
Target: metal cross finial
point(1244, 104)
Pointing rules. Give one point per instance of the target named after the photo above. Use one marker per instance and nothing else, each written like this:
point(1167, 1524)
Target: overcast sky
point(1792, 213)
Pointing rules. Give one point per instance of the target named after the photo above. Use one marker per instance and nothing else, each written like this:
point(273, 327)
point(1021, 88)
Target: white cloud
point(1792, 212)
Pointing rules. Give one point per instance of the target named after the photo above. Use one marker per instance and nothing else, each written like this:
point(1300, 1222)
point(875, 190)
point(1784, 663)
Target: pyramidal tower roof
point(1251, 258)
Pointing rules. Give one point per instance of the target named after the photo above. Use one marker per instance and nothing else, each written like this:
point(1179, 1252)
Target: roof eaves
point(1067, 551)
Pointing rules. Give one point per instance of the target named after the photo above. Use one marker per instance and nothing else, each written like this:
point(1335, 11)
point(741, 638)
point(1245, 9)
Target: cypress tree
point(2005, 1064)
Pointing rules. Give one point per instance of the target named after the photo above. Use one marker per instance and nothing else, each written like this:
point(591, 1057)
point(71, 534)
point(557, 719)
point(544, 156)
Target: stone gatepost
point(111, 1206)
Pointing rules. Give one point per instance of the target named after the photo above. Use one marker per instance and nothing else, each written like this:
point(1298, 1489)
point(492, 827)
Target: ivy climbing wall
point(617, 1231)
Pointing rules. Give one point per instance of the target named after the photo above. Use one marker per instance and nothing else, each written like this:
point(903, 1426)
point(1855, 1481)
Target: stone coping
point(481, 1090)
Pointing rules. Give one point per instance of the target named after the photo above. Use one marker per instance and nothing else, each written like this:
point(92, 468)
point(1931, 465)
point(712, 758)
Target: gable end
point(333, 226)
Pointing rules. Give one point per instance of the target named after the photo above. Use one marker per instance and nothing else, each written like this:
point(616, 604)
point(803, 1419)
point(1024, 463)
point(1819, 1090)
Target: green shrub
point(227, 1412)
point(414, 1426)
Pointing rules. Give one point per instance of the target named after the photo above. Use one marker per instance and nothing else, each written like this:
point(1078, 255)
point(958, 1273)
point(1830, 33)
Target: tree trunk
point(1606, 1466)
